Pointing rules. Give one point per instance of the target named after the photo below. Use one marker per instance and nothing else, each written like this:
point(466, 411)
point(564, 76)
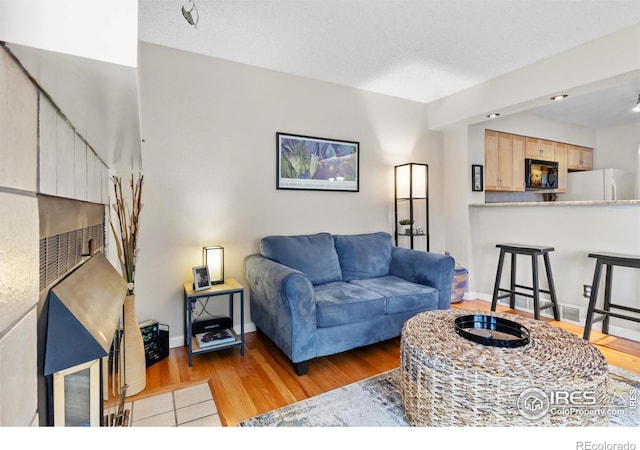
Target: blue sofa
point(321, 294)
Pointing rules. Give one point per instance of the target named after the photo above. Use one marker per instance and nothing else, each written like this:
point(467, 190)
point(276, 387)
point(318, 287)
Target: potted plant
point(406, 224)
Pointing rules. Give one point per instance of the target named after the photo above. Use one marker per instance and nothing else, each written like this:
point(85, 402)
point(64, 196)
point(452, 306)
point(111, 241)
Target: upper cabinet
point(540, 149)
point(519, 151)
point(491, 161)
point(504, 162)
point(579, 158)
point(560, 155)
point(505, 153)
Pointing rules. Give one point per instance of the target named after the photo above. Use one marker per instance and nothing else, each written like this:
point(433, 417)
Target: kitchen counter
point(560, 203)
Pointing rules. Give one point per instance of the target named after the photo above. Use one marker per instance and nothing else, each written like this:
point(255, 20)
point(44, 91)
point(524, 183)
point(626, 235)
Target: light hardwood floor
point(263, 379)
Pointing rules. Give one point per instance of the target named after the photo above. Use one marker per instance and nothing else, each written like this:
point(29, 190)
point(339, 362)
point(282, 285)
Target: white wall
point(617, 147)
point(457, 163)
point(105, 31)
point(526, 124)
point(210, 166)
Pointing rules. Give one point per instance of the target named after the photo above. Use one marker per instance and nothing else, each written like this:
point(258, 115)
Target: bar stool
point(609, 260)
point(533, 251)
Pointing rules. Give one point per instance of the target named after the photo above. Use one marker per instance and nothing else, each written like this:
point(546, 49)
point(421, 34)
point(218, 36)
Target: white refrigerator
point(603, 184)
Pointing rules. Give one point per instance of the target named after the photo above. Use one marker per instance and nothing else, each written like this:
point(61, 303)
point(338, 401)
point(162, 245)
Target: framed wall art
point(477, 180)
point(312, 163)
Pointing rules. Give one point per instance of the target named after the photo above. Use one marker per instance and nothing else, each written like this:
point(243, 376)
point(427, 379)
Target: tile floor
point(187, 407)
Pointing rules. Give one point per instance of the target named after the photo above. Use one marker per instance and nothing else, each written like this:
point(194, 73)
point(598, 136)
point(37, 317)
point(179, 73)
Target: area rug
point(376, 402)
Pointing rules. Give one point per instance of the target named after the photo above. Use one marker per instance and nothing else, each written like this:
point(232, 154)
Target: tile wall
point(19, 257)
point(40, 153)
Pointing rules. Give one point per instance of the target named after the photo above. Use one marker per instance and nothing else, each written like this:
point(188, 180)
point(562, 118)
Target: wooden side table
point(230, 288)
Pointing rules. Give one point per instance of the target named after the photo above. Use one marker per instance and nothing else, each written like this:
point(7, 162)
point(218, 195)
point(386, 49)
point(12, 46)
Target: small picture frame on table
point(477, 181)
point(201, 279)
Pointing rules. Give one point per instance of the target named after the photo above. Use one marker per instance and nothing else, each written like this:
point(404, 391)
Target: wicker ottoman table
point(557, 379)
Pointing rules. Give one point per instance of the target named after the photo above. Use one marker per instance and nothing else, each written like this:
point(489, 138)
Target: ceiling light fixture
point(637, 107)
point(493, 115)
point(189, 14)
point(559, 97)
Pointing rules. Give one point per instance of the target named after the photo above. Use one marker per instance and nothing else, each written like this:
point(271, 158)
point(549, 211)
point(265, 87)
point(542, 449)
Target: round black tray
point(492, 331)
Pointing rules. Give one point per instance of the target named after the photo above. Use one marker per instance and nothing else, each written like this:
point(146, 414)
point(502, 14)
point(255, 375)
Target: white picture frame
point(201, 278)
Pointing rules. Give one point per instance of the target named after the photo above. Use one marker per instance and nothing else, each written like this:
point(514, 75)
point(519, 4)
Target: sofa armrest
point(283, 306)
point(431, 269)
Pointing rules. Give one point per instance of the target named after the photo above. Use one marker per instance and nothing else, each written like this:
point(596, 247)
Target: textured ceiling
point(418, 50)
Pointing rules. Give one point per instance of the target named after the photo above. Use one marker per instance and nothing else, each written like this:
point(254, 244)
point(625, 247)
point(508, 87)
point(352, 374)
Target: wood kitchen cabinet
point(505, 154)
point(540, 149)
point(579, 158)
point(519, 145)
point(560, 155)
point(491, 161)
point(504, 168)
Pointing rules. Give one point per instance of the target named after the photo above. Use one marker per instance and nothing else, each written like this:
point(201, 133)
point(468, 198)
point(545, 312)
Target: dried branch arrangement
point(129, 225)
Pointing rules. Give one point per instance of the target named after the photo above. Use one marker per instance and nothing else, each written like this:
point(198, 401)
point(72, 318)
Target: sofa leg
point(301, 368)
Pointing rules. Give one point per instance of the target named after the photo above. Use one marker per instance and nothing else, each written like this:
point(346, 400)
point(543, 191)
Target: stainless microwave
point(540, 174)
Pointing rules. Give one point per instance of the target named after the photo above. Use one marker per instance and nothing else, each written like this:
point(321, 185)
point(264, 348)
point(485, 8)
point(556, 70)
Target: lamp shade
point(213, 258)
point(411, 180)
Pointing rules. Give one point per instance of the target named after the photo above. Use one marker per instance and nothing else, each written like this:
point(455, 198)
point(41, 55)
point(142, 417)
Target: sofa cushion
point(339, 303)
point(364, 256)
point(401, 295)
point(314, 255)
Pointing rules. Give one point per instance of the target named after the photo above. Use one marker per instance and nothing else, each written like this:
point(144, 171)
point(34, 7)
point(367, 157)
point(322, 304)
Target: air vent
point(571, 313)
point(521, 302)
point(43, 263)
point(568, 313)
point(63, 252)
point(51, 260)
